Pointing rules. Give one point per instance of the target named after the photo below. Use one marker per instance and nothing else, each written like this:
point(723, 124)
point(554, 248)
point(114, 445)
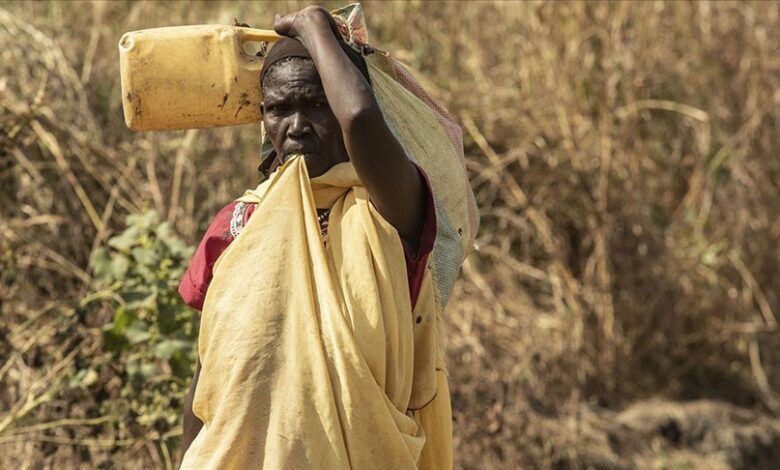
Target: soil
point(721, 434)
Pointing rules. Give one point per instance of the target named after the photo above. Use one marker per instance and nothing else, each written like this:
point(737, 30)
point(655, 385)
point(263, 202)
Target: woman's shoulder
point(224, 228)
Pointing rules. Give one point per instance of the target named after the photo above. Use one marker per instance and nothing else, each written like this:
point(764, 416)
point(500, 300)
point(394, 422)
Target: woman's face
point(298, 118)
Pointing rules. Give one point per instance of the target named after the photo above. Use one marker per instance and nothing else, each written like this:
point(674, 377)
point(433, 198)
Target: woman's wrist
point(316, 27)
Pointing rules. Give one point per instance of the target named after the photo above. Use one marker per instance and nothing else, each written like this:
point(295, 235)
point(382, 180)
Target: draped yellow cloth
point(312, 357)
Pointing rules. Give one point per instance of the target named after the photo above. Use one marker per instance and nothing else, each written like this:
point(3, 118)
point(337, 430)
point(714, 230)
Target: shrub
point(153, 333)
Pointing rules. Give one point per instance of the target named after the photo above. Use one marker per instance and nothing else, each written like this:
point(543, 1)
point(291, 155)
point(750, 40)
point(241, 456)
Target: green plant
point(152, 332)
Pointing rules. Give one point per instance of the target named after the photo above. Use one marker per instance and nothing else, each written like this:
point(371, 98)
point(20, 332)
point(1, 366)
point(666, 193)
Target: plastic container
point(186, 77)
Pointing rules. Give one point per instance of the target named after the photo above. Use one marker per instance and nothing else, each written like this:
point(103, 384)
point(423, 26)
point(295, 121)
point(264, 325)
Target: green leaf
point(164, 232)
point(119, 267)
point(145, 272)
point(144, 255)
point(145, 220)
point(140, 299)
point(182, 362)
point(138, 371)
point(167, 320)
point(114, 338)
point(113, 341)
point(132, 365)
point(167, 348)
point(125, 240)
point(101, 264)
point(138, 332)
point(122, 320)
point(173, 243)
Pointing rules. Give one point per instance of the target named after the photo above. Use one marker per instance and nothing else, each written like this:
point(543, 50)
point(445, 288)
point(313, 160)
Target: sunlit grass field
point(619, 311)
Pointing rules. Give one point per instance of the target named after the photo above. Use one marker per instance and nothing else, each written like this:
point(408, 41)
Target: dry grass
point(625, 160)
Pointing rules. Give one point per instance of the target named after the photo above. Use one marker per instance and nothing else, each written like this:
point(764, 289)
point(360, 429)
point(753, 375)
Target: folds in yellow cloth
point(311, 354)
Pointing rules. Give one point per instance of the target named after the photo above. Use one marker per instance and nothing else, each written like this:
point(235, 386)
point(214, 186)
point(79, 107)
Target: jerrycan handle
point(253, 34)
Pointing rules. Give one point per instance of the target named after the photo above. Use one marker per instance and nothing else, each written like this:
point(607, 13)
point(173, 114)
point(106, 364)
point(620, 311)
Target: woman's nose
point(299, 125)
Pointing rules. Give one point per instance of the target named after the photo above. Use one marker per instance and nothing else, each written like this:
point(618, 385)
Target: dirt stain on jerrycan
point(187, 77)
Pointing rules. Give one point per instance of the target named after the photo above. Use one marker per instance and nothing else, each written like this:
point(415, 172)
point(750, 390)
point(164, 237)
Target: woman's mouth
point(305, 155)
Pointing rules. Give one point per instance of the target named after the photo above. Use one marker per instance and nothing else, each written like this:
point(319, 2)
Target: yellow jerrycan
point(185, 77)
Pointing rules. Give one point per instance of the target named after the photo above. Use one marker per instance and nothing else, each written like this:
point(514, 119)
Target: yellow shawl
point(312, 357)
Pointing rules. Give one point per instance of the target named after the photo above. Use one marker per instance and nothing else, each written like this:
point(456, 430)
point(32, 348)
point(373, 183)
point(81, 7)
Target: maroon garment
point(195, 283)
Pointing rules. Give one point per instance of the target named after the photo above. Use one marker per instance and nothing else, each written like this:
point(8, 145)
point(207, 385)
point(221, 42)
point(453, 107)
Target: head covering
point(282, 49)
point(289, 47)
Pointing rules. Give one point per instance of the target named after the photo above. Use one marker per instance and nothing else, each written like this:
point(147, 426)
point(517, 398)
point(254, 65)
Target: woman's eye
point(276, 109)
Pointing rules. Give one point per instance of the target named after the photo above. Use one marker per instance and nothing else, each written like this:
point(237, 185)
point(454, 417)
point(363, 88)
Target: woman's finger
point(283, 24)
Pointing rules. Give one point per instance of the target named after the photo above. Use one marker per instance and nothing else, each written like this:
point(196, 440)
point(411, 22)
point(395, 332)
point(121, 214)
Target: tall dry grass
point(625, 161)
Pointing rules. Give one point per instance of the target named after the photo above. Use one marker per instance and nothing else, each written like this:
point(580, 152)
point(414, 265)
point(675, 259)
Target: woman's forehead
point(294, 91)
point(291, 74)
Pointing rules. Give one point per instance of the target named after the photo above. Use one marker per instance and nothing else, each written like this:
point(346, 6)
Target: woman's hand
point(304, 24)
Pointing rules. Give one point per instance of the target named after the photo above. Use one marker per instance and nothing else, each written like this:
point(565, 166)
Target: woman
point(346, 377)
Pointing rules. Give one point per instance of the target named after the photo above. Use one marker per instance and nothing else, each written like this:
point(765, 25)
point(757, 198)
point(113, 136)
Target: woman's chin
point(316, 165)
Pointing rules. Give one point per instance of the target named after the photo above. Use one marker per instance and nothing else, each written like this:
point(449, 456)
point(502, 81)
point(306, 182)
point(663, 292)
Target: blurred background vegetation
point(620, 311)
